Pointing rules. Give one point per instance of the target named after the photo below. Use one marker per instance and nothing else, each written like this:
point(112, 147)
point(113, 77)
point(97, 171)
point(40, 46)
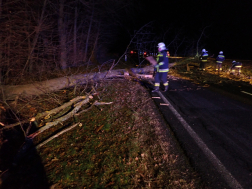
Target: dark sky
point(229, 22)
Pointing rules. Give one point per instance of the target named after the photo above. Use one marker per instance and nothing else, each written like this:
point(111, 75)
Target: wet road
point(214, 128)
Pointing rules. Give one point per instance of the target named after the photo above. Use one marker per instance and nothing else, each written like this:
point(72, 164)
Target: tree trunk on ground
point(38, 88)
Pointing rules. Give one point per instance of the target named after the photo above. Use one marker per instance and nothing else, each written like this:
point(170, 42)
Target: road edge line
point(246, 93)
point(232, 182)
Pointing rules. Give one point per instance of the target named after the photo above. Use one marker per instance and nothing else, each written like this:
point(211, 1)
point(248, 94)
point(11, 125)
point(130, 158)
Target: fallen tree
point(10, 92)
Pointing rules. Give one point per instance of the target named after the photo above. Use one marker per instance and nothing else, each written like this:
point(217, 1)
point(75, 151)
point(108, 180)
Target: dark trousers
point(218, 66)
point(161, 77)
point(202, 65)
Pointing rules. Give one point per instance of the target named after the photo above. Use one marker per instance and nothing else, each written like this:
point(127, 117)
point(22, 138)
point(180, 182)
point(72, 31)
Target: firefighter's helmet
point(161, 45)
point(204, 50)
point(234, 61)
point(221, 52)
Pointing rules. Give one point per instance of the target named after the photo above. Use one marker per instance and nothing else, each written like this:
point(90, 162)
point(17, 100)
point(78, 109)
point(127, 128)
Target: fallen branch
point(56, 110)
point(46, 113)
point(152, 60)
point(55, 136)
point(102, 103)
point(61, 119)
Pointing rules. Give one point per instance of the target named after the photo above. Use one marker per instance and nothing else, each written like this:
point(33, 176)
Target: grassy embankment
point(123, 145)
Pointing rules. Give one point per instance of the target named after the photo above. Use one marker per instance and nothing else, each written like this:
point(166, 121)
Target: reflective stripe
point(163, 70)
point(204, 60)
point(161, 63)
point(238, 66)
point(156, 84)
point(166, 84)
point(219, 62)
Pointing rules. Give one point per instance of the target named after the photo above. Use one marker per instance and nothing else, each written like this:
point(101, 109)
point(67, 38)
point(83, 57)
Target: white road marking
point(232, 182)
point(246, 93)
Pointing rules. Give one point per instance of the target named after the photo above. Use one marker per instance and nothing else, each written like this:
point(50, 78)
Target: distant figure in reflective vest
point(162, 68)
point(220, 58)
point(203, 59)
point(236, 67)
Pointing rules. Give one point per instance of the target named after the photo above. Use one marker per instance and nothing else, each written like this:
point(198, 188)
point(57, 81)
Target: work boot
point(156, 89)
point(166, 88)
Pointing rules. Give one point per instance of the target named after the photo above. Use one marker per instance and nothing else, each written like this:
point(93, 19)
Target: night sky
point(228, 23)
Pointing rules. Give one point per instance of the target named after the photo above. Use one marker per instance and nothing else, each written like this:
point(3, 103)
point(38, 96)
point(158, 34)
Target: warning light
point(131, 52)
point(145, 53)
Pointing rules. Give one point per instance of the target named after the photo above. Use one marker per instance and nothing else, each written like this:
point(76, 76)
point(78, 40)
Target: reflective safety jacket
point(203, 57)
point(162, 62)
point(236, 65)
point(220, 58)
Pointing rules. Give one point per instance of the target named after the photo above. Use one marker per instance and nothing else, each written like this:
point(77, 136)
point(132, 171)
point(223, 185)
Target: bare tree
point(35, 39)
point(75, 33)
point(197, 45)
point(62, 36)
point(1, 45)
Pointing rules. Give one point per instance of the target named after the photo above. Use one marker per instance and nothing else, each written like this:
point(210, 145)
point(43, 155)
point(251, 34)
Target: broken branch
point(55, 136)
point(61, 119)
point(46, 113)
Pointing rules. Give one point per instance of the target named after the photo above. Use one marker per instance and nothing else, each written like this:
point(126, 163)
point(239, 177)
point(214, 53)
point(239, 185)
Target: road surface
point(214, 129)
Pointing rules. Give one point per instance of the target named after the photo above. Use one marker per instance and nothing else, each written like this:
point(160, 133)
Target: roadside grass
point(116, 146)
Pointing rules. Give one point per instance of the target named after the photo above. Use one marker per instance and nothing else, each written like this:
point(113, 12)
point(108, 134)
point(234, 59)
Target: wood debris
point(164, 104)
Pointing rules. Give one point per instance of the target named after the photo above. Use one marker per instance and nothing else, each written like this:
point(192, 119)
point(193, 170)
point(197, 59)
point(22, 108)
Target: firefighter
point(236, 66)
point(220, 58)
point(203, 59)
point(162, 68)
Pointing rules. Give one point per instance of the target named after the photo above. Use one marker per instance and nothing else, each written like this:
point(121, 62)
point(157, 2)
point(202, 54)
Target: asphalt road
point(214, 128)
